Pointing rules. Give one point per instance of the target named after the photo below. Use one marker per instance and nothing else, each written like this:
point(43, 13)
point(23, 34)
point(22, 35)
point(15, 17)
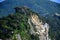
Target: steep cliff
point(24, 25)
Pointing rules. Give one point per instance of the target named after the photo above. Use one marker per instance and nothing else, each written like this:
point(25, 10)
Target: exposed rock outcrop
point(42, 29)
point(24, 25)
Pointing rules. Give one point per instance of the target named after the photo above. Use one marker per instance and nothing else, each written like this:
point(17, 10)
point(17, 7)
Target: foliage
point(16, 23)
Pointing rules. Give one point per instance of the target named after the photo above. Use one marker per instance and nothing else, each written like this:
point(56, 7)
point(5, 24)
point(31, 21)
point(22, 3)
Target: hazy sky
point(57, 1)
point(1, 0)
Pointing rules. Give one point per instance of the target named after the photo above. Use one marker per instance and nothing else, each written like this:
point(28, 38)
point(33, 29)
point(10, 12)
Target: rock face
point(24, 25)
point(42, 29)
point(18, 37)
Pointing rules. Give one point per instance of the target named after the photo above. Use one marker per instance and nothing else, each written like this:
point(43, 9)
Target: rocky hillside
point(24, 25)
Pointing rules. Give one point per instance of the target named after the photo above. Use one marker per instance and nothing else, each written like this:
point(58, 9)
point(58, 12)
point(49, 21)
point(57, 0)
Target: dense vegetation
point(17, 24)
point(54, 31)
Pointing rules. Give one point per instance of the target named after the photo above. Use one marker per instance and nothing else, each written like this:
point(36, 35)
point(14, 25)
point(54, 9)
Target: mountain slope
point(24, 25)
point(28, 25)
point(41, 6)
point(54, 22)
